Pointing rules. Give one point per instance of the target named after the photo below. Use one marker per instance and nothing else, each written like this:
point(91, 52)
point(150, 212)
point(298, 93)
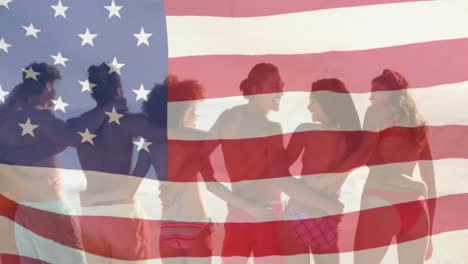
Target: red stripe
point(16, 259)
point(232, 8)
point(424, 65)
point(445, 142)
point(448, 217)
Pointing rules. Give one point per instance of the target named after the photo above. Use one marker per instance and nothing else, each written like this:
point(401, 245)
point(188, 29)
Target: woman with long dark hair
point(399, 142)
point(323, 145)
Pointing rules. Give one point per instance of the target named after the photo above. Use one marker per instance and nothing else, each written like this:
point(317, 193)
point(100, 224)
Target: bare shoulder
point(232, 113)
point(229, 119)
point(43, 116)
point(309, 126)
point(188, 134)
point(139, 125)
point(274, 127)
point(45, 113)
point(130, 121)
point(377, 111)
point(377, 118)
point(134, 117)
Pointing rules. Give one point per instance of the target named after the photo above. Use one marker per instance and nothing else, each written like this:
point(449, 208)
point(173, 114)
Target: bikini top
point(396, 144)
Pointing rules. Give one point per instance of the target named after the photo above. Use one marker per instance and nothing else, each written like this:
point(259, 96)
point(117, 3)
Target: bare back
point(36, 181)
point(394, 142)
point(107, 163)
point(247, 161)
point(189, 204)
point(322, 153)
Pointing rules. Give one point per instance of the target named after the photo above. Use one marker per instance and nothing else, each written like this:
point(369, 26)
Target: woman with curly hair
point(399, 135)
point(185, 230)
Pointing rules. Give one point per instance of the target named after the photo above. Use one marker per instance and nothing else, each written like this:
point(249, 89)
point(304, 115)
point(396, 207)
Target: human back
point(29, 101)
point(402, 138)
point(331, 137)
point(169, 159)
point(107, 161)
point(246, 157)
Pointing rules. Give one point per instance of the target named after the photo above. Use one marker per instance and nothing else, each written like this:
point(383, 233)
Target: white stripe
point(451, 178)
point(439, 105)
point(448, 248)
point(28, 244)
point(343, 29)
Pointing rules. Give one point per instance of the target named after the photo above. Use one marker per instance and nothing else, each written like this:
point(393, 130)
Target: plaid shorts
point(319, 233)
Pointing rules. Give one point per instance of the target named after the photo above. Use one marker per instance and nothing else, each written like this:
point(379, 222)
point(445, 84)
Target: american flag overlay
point(229, 131)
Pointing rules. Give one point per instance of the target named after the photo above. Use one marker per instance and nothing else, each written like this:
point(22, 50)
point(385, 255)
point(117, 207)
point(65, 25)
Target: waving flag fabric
point(216, 43)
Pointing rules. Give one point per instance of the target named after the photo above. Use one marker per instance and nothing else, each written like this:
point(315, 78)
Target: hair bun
point(396, 77)
point(106, 86)
point(244, 86)
point(97, 75)
point(387, 72)
point(392, 80)
point(93, 72)
point(258, 74)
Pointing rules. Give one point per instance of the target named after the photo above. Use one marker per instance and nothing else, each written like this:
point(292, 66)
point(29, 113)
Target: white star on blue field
point(145, 58)
point(129, 35)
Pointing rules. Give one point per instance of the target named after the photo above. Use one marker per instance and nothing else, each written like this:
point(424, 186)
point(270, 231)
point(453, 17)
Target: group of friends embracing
point(391, 142)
